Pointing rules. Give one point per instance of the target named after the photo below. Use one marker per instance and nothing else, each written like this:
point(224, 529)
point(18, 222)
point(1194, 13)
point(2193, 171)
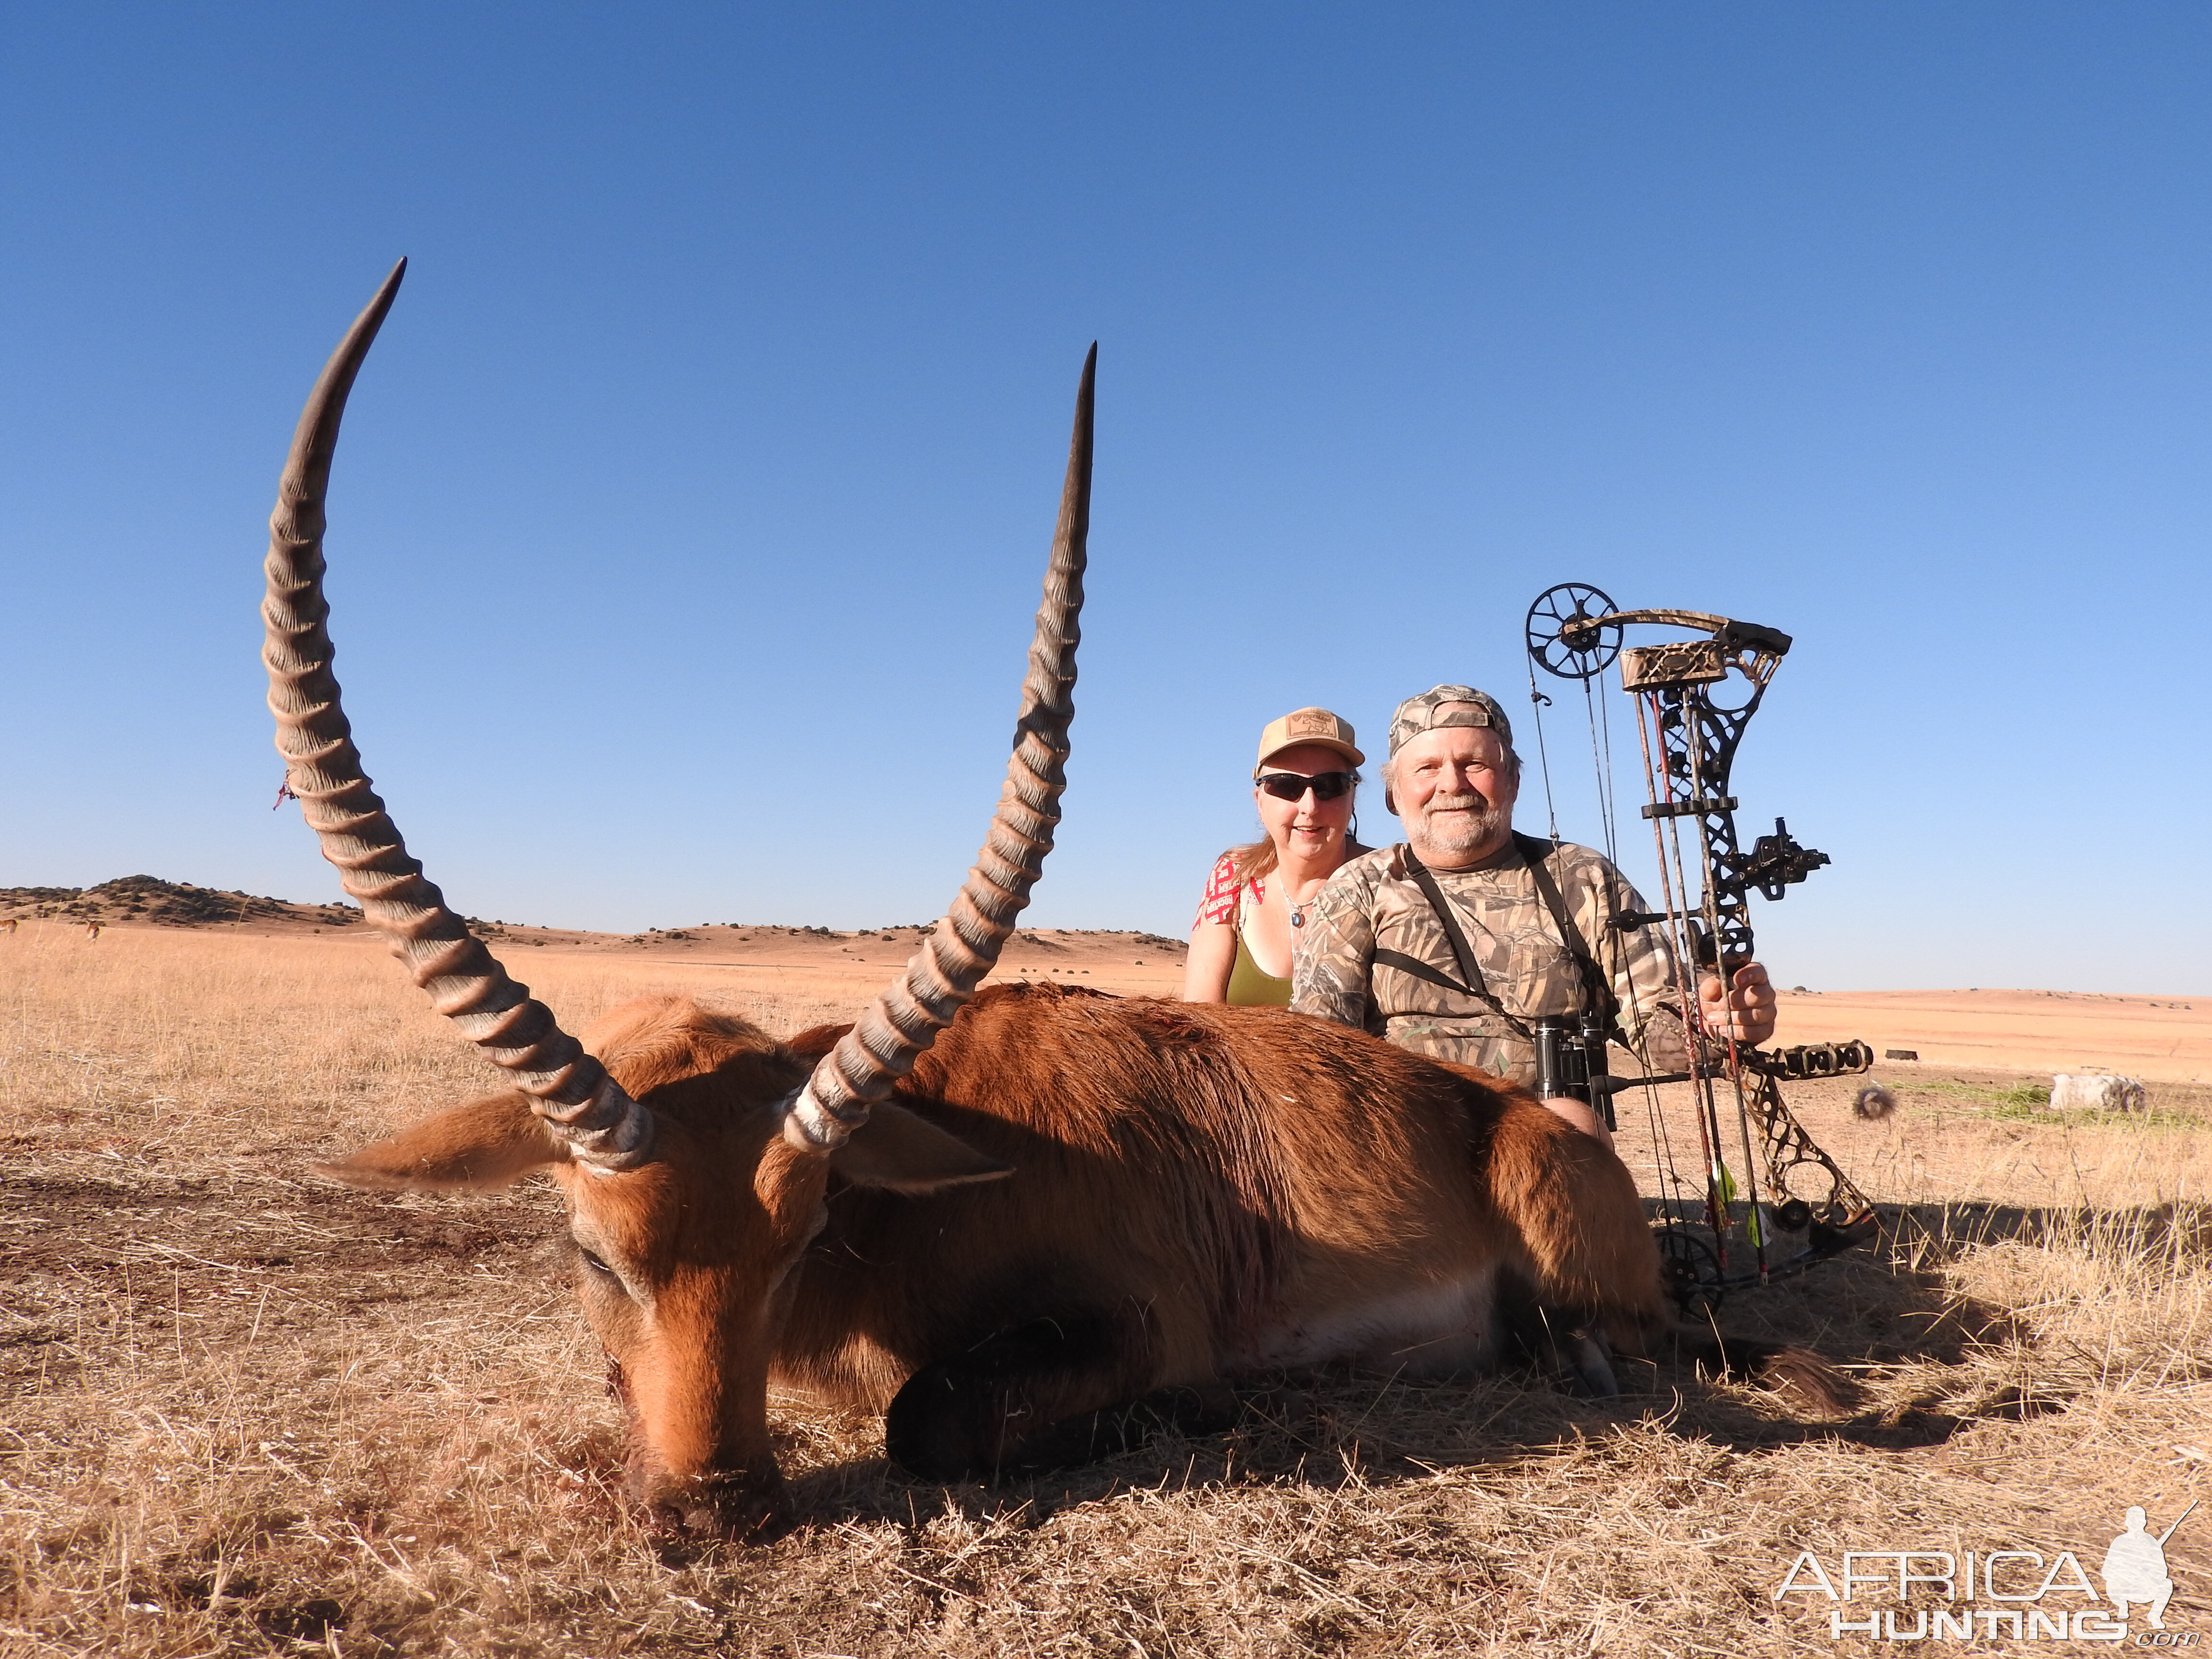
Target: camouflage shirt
point(1371, 906)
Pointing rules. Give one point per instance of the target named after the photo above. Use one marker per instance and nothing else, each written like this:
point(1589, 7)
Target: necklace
point(1297, 910)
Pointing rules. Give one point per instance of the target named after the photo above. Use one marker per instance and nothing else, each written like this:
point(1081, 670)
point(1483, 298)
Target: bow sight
point(1693, 699)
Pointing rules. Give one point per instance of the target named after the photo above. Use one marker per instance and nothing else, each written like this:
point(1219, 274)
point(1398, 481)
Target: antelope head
point(692, 1150)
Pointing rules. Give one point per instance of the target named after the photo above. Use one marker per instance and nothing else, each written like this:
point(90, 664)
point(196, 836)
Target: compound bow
point(1809, 1209)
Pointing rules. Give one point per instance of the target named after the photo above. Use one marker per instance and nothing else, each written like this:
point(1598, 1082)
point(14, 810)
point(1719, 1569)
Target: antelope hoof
point(1590, 1365)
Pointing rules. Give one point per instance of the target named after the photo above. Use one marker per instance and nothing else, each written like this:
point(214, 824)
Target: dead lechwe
point(1071, 1221)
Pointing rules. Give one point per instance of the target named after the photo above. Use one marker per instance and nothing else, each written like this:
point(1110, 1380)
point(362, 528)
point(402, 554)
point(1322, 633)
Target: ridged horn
point(883, 1044)
point(569, 1088)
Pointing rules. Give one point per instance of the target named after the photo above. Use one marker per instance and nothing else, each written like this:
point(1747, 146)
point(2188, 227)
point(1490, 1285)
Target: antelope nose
point(752, 1512)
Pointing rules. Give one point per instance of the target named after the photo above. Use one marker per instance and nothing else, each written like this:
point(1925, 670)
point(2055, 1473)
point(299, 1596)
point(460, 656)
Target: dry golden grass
point(247, 1412)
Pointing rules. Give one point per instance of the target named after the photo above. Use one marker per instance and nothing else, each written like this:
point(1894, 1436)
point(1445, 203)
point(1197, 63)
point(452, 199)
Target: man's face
point(1454, 789)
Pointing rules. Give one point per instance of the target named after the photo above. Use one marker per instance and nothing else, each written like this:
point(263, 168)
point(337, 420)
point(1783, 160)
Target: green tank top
point(1249, 987)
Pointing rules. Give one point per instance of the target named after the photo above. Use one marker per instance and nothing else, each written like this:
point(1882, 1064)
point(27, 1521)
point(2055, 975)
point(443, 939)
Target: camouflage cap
point(1313, 725)
point(1418, 715)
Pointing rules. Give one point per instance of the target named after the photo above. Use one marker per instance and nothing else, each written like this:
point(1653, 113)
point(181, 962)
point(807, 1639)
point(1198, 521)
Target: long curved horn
point(883, 1046)
point(569, 1088)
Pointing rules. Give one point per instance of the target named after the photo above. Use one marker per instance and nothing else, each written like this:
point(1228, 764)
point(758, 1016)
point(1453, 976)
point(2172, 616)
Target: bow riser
point(1697, 742)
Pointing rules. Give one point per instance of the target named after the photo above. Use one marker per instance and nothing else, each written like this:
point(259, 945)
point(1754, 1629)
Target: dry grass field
point(247, 1412)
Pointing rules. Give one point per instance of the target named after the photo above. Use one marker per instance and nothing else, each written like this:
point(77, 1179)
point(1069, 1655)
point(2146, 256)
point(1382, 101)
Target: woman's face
point(1308, 825)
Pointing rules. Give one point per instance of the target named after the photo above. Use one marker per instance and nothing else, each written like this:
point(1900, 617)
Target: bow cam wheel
point(1565, 635)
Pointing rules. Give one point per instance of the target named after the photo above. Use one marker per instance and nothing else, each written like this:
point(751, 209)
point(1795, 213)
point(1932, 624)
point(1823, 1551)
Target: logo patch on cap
point(1310, 726)
point(1446, 706)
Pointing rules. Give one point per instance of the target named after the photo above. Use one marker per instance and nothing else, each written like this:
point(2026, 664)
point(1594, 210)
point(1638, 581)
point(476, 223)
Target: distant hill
point(180, 904)
point(172, 903)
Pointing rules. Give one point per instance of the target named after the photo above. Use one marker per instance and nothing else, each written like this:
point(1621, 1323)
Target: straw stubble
point(248, 1413)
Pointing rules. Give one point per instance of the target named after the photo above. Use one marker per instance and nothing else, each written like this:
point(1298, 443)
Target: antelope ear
point(487, 1144)
point(909, 1154)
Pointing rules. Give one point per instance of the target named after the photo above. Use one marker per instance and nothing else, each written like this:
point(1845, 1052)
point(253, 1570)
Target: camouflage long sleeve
point(1374, 955)
point(1331, 956)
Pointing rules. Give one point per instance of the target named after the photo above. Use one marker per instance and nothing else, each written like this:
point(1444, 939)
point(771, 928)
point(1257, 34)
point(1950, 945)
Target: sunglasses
point(1292, 786)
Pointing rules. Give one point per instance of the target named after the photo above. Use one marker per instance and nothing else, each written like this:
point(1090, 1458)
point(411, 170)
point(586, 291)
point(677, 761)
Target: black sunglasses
point(1292, 786)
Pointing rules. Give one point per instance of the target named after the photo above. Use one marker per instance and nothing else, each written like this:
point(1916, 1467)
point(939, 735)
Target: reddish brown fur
point(1197, 1192)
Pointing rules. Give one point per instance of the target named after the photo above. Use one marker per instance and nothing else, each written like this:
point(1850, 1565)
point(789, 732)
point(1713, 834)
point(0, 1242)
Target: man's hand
point(1747, 1012)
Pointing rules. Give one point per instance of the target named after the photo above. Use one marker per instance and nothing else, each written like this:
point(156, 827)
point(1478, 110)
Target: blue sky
point(691, 509)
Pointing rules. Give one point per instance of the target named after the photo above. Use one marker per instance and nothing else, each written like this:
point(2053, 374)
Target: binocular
point(1571, 1061)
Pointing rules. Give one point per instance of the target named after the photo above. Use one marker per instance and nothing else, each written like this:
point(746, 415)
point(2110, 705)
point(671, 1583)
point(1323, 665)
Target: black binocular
point(1571, 1061)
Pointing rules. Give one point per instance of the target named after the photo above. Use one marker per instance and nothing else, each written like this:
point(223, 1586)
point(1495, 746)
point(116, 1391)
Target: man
point(1531, 920)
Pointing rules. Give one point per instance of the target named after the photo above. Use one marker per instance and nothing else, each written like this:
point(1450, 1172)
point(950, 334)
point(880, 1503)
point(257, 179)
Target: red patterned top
point(1224, 893)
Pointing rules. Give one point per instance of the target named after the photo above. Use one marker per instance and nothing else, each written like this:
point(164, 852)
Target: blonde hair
point(1252, 860)
point(1258, 858)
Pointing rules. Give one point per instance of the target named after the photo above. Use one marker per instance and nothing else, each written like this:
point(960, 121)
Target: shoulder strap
point(1414, 968)
point(1597, 994)
point(1447, 914)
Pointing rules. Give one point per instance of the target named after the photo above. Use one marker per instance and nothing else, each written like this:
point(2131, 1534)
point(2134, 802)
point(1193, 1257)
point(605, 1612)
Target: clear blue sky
point(692, 508)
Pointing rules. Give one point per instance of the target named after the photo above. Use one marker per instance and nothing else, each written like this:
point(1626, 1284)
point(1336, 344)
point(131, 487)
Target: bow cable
point(1538, 702)
point(1638, 1019)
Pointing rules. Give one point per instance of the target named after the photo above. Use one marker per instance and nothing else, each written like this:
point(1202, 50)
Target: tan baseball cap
point(1418, 715)
point(1315, 726)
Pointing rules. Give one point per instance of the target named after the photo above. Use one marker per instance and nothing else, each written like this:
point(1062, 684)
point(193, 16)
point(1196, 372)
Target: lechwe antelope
point(1075, 1217)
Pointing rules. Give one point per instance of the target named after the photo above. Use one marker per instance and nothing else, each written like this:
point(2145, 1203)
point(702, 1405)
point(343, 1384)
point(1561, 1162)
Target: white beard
point(1461, 831)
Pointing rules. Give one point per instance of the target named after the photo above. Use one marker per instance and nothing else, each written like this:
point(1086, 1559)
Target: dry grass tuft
point(248, 1414)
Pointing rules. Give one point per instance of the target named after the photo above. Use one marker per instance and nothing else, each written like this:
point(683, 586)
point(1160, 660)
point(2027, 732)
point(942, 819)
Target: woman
point(1304, 787)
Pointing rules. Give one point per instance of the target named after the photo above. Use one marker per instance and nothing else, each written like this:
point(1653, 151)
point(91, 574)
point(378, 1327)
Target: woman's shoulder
point(1223, 886)
point(1227, 874)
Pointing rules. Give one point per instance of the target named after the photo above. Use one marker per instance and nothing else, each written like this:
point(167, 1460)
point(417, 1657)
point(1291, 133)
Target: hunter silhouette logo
point(2135, 1567)
point(2019, 1594)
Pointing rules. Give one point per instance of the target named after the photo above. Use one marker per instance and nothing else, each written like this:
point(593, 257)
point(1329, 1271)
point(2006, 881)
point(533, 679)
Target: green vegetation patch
point(2030, 1103)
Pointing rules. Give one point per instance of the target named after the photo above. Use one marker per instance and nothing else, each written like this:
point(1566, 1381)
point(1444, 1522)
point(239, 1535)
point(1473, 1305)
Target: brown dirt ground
point(2164, 1038)
point(242, 1412)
